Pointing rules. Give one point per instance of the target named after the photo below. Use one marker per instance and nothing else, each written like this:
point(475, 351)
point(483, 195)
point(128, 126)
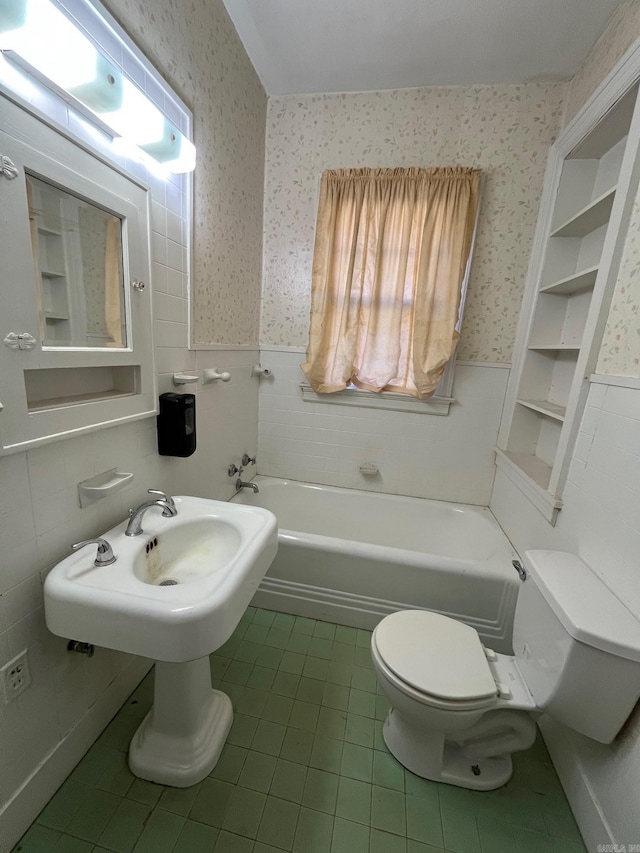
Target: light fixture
point(71, 62)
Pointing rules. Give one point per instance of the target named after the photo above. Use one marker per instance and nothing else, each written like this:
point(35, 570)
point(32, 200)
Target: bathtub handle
point(520, 569)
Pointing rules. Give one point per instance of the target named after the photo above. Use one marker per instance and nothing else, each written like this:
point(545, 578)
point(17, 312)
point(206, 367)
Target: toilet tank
point(576, 645)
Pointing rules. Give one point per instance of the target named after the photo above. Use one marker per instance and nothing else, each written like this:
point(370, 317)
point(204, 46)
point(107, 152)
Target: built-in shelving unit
point(590, 186)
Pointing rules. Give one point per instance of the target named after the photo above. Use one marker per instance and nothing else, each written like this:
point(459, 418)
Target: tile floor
point(305, 769)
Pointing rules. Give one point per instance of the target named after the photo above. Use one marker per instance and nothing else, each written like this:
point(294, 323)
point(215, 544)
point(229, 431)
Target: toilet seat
point(437, 659)
point(425, 698)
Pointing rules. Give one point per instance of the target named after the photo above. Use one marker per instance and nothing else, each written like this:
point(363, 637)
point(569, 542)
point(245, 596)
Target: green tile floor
point(305, 769)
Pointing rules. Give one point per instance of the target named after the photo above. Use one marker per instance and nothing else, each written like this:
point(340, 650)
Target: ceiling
point(305, 46)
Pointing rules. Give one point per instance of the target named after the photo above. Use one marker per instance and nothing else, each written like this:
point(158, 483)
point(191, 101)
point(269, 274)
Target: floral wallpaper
point(203, 59)
point(505, 130)
point(621, 31)
point(620, 350)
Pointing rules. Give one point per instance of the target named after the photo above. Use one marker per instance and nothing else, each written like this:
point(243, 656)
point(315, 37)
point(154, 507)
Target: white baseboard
point(29, 800)
point(584, 804)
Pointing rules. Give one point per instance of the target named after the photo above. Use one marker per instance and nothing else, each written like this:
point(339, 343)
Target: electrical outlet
point(15, 677)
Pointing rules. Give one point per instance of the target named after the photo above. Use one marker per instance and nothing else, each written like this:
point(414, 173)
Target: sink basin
point(188, 552)
point(176, 592)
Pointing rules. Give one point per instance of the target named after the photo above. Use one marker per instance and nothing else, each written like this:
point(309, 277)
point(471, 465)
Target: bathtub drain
point(168, 582)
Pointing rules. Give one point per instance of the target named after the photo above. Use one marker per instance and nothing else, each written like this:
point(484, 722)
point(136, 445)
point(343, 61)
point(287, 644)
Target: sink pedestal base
point(181, 738)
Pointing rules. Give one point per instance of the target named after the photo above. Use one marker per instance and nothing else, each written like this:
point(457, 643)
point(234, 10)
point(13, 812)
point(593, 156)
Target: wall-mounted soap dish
point(102, 486)
point(185, 378)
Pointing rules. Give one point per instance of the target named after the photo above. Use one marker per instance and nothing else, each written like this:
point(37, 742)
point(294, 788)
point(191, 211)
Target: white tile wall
point(447, 458)
point(600, 521)
point(40, 515)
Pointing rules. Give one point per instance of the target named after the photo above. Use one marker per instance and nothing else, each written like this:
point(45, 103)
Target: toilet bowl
point(459, 710)
point(456, 716)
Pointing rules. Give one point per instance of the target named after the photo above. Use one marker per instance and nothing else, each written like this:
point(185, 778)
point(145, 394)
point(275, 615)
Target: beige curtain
point(390, 255)
point(113, 283)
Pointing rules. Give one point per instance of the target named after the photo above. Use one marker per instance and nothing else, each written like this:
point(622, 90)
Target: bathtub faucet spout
point(241, 485)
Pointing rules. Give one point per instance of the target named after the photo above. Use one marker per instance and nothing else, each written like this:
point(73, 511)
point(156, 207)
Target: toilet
point(459, 710)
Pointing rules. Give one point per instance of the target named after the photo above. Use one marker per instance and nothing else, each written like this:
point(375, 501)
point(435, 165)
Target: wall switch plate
point(15, 677)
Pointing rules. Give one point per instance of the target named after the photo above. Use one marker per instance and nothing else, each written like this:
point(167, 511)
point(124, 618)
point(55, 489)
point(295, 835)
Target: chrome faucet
point(241, 485)
point(134, 528)
point(105, 555)
point(164, 496)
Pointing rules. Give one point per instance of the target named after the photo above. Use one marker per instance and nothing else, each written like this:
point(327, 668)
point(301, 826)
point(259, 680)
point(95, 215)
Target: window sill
point(386, 400)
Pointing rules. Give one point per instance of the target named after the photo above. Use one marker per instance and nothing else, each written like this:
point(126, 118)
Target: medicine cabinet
point(76, 349)
point(590, 187)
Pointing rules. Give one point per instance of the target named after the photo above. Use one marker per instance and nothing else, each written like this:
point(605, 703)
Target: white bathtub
point(353, 557)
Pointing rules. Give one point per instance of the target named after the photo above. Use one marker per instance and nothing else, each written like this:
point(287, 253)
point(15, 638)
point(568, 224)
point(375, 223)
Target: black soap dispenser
point(177, 425)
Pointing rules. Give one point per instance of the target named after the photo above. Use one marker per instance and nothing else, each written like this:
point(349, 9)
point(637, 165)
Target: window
point(391, 254)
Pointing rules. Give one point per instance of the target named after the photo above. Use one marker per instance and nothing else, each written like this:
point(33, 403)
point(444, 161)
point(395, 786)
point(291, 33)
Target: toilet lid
point(436, 655)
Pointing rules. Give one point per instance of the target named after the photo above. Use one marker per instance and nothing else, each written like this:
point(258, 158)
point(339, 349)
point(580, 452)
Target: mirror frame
point(25, 138)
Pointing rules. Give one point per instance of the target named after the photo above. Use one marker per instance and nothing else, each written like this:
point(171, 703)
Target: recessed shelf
point(546, 408)
point(532, 466)
point(576, 283)
point(554, 347)
point(53, 388)
point(75, 399)
point(610, 131)
point(49, 232)
point(595, 214)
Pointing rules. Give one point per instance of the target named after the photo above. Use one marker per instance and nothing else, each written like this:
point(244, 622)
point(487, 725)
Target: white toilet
point(458, 710)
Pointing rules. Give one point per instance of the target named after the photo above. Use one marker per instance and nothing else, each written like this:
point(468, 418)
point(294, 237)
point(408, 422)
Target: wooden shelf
point(595, 214)
point(578, 282)
point(546, 408)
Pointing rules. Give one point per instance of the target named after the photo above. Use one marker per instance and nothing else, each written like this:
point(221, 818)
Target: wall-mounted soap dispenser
point(177, 425)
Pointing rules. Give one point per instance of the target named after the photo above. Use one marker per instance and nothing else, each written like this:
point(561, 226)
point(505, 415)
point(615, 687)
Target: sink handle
point(105, 555)
point(163, 497)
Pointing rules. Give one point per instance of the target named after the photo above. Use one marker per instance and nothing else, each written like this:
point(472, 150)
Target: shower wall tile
point(39, 512)
point(600, 519)
point(429, 456)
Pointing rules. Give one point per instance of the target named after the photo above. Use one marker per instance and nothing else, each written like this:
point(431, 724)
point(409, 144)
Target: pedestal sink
point(175, 594)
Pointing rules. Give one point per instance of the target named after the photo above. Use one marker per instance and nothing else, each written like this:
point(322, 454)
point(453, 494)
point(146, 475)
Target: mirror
point(76, 309)
point(77, 255)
